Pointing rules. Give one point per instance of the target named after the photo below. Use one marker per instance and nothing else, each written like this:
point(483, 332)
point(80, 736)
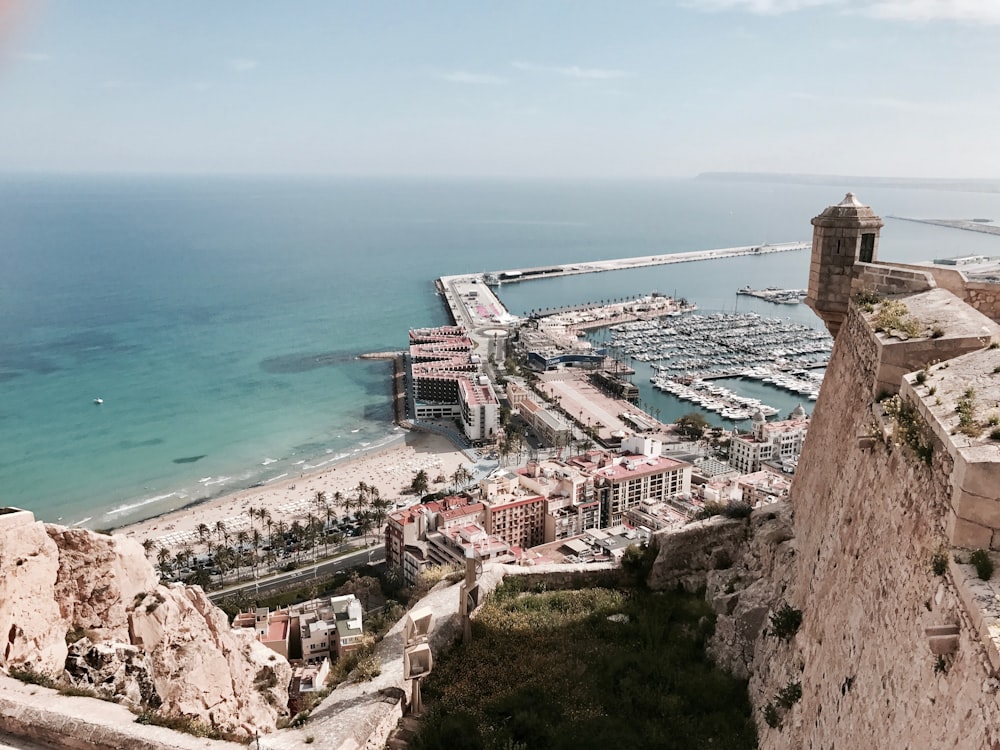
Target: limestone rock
point(113, 670)
point(686, 556)
point(148, 645)
point(32, 629)
point(203, 668)
point(99, 577)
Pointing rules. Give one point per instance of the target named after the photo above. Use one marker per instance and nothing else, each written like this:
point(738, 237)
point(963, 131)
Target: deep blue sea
point(220, 318)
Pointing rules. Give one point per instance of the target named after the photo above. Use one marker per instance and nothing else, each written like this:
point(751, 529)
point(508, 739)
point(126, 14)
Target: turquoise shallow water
point(220, 319)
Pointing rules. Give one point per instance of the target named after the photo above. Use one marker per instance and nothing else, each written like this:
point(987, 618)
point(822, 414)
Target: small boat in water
point(98, 401)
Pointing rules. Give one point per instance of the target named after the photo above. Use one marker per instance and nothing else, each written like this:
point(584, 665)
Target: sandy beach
point(390, 470)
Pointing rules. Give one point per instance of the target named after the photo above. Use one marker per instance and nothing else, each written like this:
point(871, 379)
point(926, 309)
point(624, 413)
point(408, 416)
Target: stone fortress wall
point(893, 651)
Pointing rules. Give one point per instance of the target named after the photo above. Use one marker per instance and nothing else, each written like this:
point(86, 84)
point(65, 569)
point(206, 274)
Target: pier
point(620, 264)
point(474, 305)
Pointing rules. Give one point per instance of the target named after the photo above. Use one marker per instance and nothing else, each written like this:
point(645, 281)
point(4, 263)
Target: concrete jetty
point(619, 264)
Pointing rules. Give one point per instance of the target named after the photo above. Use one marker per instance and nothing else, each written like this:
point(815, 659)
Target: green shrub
point(966, 408)
point(983, 563)
point(937, 332)
point(585, 668)
point(790, 694)
point(921, 377)
point(188, 725)
point(995, 434)
point(771, 716)
point(30, 676)
point(737, 510)
point(939, 563)
point(893, 317)
point(637, 562)
point(785, 622)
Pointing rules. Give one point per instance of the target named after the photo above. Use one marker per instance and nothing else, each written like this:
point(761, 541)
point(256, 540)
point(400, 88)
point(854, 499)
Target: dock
point(473, 304)
point(513, 275)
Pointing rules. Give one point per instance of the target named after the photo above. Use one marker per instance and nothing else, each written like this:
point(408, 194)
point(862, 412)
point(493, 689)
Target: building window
point(867, 247)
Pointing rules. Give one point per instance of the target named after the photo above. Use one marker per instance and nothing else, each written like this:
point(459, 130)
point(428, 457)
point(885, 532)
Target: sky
point(519, 88)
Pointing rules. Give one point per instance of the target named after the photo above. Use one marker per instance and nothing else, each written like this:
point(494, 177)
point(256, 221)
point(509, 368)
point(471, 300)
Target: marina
point(685, 354)
point(775, 295)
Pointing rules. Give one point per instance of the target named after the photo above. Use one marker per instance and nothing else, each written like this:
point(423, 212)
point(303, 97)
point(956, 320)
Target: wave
point(138, 504)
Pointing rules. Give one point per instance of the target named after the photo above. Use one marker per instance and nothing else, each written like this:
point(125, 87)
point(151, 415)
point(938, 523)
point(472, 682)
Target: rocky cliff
point(87, 610)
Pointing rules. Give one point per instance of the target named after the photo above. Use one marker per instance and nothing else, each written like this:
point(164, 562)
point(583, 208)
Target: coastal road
point(371, 555)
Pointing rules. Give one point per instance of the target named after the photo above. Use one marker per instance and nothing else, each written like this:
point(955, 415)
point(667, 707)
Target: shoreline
point(389, 467)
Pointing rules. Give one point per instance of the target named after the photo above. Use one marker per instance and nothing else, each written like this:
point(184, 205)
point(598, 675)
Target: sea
point(220, 319)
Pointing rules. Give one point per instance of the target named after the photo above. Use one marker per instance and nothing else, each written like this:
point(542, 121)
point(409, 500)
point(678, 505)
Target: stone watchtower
point(844, 235)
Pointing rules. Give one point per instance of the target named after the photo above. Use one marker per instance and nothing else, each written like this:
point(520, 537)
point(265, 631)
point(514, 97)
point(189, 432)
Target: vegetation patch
point(785, 622)
point(968, 425)
point(867, 300)
point(188, 725)
point(893, 318)
point(592, 668)
point(909, 429)
point(939, 563)
point(983, 563)
point(30, 676)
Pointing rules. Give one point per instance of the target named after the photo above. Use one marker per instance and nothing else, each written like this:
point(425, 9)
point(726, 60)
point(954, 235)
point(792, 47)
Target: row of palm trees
point(246, 551)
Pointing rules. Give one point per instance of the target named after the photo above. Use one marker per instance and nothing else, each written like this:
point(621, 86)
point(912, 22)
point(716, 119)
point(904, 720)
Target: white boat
point(98, 401)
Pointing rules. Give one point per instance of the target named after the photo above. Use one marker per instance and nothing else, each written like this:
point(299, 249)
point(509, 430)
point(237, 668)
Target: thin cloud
point(573, 71)
point(242, 64)
point(758, 7)
point(965, 11)
point(113, 84)
point(971, 11)
point(475, 79)
point(35, 57)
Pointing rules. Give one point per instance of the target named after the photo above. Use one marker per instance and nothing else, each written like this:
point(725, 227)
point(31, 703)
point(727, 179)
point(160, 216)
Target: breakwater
point(619, 264)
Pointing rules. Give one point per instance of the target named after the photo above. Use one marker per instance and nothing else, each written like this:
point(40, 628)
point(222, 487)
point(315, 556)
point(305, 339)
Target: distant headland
point(913, 183)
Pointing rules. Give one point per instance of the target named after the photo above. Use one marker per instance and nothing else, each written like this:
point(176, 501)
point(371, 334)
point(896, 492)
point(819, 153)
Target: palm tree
point(252, 512)
point(420, 482)
point(242, 542)
point(296, 532)
point(148, 545)
point(327, 528)
point(461, 477)
point(256, 538)
point(203, 532)
point(163, 558)
point(223, 560)
point(265, 517)
point(365, 522)
point(280, 528)
point(223, 531)
point(380, 511)
point(360, 501)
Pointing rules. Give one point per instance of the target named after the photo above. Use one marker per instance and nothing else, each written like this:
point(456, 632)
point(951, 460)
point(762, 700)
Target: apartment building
point(622, 482)
point(769, 441)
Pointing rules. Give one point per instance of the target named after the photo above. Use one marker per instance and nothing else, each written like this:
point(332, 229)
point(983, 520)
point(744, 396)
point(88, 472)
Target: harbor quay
point(619, 264)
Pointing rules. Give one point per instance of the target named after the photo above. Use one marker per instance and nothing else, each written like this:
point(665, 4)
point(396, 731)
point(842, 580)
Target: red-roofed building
point(626, 481)
point(405, 527)
point(446, 382)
